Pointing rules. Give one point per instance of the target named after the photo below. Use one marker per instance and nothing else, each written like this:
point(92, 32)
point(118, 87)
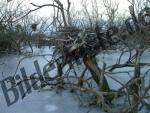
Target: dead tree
point(100, 37)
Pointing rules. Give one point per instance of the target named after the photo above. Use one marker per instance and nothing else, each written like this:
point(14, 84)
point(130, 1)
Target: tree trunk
point(136, 85)
point(96, 72)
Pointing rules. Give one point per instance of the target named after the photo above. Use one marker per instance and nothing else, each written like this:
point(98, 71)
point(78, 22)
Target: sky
point(47, 11)
point(76, 6)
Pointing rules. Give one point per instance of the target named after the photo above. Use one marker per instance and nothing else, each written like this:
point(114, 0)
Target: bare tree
point(111, 11)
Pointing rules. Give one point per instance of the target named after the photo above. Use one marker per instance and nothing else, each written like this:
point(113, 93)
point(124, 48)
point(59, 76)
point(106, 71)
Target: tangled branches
point(134, 23)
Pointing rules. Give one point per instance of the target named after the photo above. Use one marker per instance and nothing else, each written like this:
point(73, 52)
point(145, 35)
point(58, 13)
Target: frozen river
point(50, 101)
point(37, 102)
